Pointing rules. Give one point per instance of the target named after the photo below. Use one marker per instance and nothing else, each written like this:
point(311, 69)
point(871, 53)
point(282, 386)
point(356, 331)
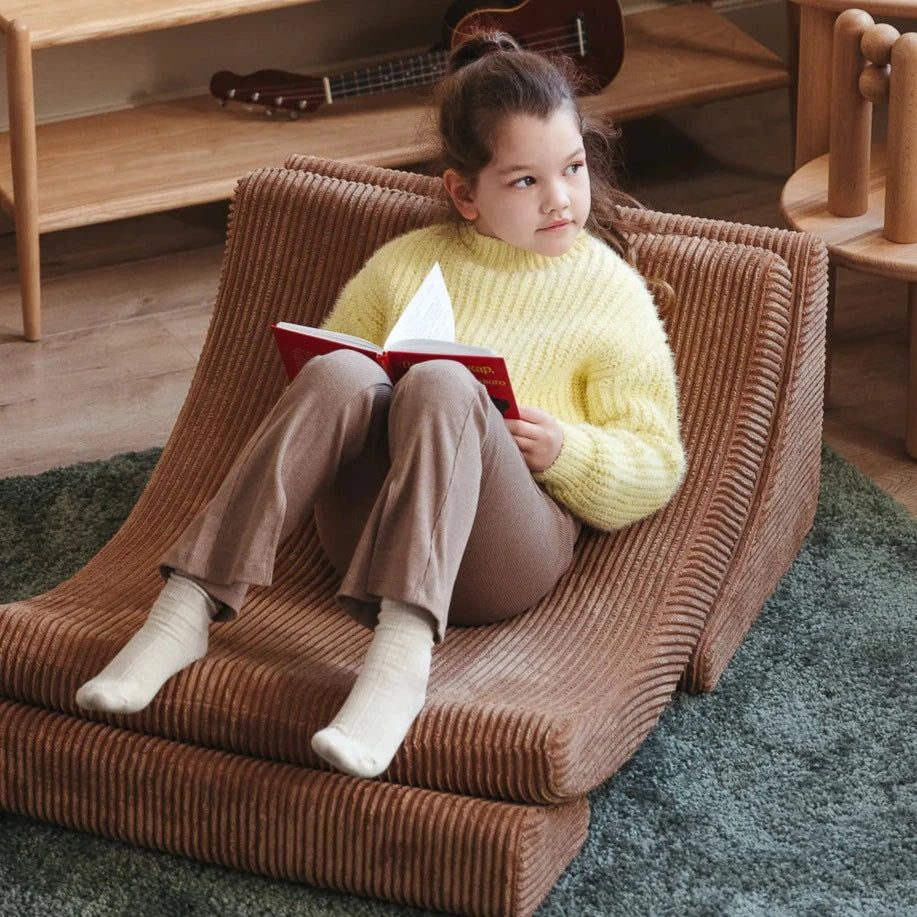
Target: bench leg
point(24, 155)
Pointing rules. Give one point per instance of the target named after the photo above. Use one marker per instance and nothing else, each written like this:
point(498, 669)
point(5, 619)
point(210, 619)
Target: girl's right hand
point(538, 435)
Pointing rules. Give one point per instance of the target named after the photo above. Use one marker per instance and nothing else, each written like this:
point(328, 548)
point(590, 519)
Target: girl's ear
point(461, 193)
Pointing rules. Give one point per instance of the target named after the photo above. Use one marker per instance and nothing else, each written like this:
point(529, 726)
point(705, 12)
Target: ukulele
point(590, 33)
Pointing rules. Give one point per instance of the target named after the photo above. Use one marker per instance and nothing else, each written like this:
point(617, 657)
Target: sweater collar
point(496, 253)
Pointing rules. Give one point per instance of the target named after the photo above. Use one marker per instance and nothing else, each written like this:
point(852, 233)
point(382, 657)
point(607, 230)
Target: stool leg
point(911, 423)
point(24, 156)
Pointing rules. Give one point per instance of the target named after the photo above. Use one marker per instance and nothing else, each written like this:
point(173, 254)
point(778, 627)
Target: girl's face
point(534, 193)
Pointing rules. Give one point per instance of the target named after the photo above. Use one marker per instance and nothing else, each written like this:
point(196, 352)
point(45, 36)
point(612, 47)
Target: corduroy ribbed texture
point(537, 709)
point(424, 185)
point(784, 509)
point(455, 853)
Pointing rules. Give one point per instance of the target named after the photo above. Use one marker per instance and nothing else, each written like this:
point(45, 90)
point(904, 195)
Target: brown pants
point(452, 522)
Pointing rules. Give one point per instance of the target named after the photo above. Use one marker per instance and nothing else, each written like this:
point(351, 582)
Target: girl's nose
point(556, 197)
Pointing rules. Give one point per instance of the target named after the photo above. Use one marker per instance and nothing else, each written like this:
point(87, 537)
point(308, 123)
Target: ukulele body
point(603, 34)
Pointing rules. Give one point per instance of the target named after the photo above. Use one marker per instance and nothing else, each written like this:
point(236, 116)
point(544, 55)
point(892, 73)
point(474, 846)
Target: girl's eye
point(574, 167)
point(524, 182)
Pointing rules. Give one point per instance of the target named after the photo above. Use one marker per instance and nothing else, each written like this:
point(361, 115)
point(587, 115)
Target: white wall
point(115, 73)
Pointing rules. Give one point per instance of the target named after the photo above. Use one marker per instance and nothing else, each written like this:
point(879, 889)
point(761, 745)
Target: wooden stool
point(860, 198)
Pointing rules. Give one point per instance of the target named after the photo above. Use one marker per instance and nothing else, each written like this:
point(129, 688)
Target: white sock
point(174, 635)
point(387, 696)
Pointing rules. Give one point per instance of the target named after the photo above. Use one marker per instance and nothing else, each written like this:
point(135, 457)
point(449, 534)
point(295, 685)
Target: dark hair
point(490, 77)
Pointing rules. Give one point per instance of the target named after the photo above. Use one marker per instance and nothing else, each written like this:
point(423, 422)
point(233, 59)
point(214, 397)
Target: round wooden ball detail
point(874, 82)
point(876, 43)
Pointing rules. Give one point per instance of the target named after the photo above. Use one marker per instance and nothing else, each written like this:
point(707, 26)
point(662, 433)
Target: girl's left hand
point(538, 435)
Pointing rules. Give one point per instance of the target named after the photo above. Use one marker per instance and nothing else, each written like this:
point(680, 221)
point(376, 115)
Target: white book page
point(428, 314)
point(330, 335)
point(425, 345)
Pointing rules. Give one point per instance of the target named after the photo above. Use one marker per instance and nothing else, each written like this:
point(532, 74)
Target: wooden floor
point(126, 306)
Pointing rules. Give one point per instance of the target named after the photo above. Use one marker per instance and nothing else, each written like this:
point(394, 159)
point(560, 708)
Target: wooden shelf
point(158, 157)
point(52, 23)
point(173, 154)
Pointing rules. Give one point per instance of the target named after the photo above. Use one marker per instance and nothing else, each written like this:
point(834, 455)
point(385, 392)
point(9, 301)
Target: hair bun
point(478, 45)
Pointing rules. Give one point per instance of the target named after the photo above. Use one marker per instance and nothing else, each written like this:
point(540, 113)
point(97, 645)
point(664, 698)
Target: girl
point(432, 508)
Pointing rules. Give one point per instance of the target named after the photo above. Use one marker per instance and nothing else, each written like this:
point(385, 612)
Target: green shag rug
point(789, 791)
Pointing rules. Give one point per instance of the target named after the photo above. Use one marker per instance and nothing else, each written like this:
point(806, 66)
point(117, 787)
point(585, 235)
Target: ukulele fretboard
point(397, 74)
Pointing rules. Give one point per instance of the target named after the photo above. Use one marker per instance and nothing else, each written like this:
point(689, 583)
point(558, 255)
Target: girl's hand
point(538, 436)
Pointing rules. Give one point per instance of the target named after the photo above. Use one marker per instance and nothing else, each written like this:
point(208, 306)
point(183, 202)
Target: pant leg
point(333, 410)
point(459, 526)
point(341, 509)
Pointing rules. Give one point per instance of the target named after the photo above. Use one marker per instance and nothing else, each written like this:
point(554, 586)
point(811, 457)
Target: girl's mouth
point(554, 227)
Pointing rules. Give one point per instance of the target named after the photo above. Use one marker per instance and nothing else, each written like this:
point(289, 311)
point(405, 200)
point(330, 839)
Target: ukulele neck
point(418, 70)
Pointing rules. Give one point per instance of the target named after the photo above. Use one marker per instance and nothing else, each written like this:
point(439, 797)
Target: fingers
point(537, 435)
point(523, 428)
point(532, 414)
point(533, 450)
point(527, 451)
point(525, 445)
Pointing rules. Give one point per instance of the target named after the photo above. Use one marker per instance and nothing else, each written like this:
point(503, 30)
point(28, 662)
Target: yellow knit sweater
point(582, 340)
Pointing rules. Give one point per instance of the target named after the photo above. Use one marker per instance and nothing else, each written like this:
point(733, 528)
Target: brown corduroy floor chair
point(485, 804)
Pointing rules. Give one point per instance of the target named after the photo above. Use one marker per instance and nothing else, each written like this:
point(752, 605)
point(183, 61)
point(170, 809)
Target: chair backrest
point(872, 63)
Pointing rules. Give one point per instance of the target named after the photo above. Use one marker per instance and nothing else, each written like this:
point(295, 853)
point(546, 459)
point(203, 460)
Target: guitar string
point(366, 80)
point(355, 84)
point(345, 87)
point(362, 81)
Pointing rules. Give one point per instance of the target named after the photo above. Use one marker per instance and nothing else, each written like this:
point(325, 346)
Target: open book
point(425, 331)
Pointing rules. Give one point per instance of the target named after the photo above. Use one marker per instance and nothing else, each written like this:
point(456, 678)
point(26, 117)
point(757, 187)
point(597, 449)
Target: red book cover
point(489, 369)
point(299, 343)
